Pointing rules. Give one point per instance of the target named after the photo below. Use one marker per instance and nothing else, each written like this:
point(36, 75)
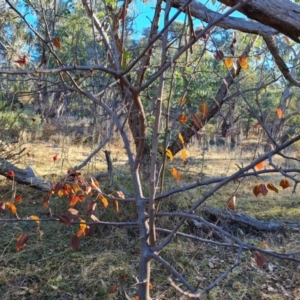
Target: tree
point(117, 74)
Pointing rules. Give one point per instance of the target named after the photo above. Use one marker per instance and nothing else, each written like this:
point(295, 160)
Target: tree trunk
point(282, 15)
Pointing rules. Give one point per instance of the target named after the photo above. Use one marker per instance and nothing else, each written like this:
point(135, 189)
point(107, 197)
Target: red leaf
point(75, 242)
point(22, 62)
point(18, 198)
point(10, 173)
point(55, 157)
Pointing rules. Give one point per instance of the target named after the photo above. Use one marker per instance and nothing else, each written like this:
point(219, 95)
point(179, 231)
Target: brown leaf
point(113, 289)
point(197, 123)
point(219, 55)
point(259, 259)
point(263, 189)
point(75, 242)
point(46, 200)
point(65, 219)
point(21, 241)
point(271, 187)
point(284, 183)
point(182, 118)
point(56, 43)
point(256, 190)
point(91, 207)
point(88, 231)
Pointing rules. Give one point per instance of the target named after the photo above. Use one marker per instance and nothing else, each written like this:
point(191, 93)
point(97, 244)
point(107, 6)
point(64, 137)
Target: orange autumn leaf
point(279, 113)
point(76, 187)
point(57, 43)
point(228, 62)
point(116, 205)
point(150, 286)
point(182, 118)
point(60, 193)
point(175, 174)
point(21, 241)
point(243, 62)
point(103, 200)
point(12, 207)
point(204, 109)
point(74, 199)
point(80, 233)
point(259, 166)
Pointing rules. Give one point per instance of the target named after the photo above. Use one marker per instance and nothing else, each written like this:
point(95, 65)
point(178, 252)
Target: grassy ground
point(106, 266)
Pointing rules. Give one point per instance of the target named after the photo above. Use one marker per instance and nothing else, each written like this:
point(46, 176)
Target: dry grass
point(47, 268)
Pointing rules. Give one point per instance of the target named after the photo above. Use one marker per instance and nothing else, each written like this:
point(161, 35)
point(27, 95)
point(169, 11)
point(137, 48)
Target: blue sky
point(143, 10)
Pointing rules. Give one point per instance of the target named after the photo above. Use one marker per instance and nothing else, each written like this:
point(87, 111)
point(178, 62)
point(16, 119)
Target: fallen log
point(24, 176)
point(214, 214)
